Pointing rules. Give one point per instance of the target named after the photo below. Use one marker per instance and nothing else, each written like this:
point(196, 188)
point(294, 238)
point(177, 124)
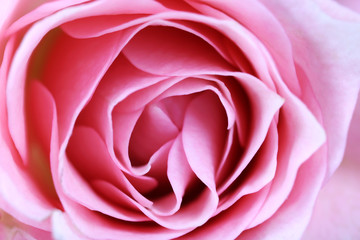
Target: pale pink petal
point(352, 148)
point(291, 219)
point(337, 209)
point(12, 228)
point(351, 4)
point(62, 228)
point(179, 172)
point(300, 136)
point(15, 182)
point(203, 134)
point(265, 31)
point(175, 107)
point(331, 66)
point(40, 10)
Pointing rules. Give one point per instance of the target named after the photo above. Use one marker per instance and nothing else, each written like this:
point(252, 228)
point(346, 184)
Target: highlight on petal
point(11, 228)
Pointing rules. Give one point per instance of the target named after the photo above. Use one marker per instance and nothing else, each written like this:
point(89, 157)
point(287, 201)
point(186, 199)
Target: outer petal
point(352, 4)
point(63, 229)
point(352, 150)
point(14, 183)
point(11, 228)
point(337, 210)
point(330, 59)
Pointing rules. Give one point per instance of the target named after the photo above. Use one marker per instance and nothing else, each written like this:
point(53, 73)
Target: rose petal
point(351, 4)
point(166, 54)
point(17, 73)
point(152, 130)
point(202, 83)
point(40, 10)
point(80, 191)
point(102, 167)
point(337, 208)
point(63, 229)
point(300, 136)
point(179, 172)
point(14, 181)
point(93, 58)
point(58, 79)
point(264, 105)
point(291, 219)
point(231, 222)
point(121, 80)
point(258, 174)
point(331, 65)
point(267, 30)
point(352, 148)
point(110, 229)
point(12, 228)
point(204, 134)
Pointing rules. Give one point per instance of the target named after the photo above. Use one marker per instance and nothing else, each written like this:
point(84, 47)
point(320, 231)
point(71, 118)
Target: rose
point(163, 120)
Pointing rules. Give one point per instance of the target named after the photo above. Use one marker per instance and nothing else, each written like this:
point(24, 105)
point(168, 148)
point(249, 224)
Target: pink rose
point(173, 119)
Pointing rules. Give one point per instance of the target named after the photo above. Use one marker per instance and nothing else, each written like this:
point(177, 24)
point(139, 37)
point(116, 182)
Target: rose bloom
point(174, 119)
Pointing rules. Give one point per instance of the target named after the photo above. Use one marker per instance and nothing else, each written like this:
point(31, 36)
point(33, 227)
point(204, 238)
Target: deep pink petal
point(152, 130)
point(84, 60)
point(259, 173)
point(17, 73)
point(80, 191)
point(169, 51)
point(264, 105)
point(120, 81)
point(101, 167)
